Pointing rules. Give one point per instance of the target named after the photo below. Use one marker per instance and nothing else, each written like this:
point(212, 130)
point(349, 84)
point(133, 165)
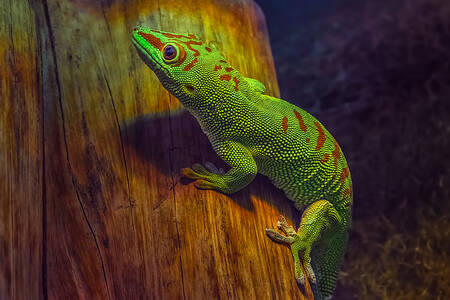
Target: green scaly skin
point(252, 133)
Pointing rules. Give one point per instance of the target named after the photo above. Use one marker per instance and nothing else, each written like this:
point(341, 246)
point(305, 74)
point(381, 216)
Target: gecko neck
point(216, 117)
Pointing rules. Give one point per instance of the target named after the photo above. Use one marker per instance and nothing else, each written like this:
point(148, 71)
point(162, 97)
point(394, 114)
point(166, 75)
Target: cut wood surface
point(92, 204)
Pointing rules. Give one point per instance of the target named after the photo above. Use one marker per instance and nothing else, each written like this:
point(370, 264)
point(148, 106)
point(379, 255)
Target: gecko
point(256, 133)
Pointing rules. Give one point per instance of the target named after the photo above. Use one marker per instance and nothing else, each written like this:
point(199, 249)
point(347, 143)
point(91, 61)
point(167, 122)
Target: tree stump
point(91, 201)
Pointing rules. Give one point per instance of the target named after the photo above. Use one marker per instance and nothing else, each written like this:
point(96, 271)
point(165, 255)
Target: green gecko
point(253, 132)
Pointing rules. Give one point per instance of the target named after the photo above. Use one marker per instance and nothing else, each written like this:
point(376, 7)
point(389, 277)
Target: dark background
point(377, 74)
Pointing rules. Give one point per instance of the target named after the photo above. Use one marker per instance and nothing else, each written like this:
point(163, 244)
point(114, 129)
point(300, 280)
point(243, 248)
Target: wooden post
point(91, 201)
point(21, 154)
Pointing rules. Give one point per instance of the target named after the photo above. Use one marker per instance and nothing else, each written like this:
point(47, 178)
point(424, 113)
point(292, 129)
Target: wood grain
point(21, 154)
point(100, 154)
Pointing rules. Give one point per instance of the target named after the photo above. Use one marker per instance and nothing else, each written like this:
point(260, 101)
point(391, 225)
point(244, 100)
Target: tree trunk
point(91, 201)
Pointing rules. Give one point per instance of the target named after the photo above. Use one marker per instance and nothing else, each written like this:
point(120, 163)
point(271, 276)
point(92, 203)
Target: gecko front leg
point(243, 169)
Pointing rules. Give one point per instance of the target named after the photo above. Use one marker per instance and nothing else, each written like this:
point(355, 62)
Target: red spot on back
point(228, 69)
point(225, 77)
point(217, 68)
point(344, 174)
point(153, 40)
point(325, 158)
point(300, 120)
point(236, 81)
point(190, 65)
point(285, 123)
point(208, 49)
point(336, 153)
point(321, 137)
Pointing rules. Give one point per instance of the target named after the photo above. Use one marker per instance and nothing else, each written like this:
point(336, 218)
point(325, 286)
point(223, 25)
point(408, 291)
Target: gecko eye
point(170, 53)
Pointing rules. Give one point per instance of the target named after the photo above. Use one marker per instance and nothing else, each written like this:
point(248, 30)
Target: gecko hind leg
point(316, 219)
point(292, 239)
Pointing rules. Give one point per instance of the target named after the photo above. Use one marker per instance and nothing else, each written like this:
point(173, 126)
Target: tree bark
point(91, 201)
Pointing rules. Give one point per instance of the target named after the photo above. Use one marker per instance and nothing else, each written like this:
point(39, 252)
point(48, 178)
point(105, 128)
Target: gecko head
point(182, 62)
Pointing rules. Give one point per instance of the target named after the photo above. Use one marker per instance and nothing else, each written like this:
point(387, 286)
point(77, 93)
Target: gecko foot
point(301, 250)
point(278, 237)
point(205, 179)
point(197, 172)
point(285, 227)
point(200, 172)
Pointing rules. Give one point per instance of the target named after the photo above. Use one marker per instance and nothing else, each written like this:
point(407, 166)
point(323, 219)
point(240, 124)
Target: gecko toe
point(278, 237)
point(310, 272)
point(283, 225)
point(204, 185)
point(300, 277)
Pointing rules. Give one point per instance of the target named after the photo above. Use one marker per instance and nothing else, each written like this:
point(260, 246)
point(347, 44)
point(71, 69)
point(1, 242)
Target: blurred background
point(377, 74)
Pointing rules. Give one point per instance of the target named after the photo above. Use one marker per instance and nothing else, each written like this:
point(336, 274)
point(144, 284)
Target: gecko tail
point(326, 259)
